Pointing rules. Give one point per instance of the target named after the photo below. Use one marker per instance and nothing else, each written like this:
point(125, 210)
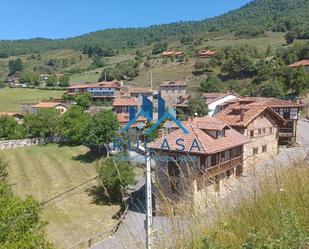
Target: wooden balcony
point(223, 167)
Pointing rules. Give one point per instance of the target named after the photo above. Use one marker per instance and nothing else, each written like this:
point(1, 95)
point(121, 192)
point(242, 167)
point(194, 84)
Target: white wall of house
point(214, 106)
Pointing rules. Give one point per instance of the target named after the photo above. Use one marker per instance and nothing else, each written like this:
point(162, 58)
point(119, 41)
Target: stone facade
point(172, 92)
point(263, 133)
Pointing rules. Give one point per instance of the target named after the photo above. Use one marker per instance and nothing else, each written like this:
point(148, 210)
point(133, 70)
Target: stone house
point(259, 123)
point(45, 105)
point(123, 104)
point(171, 91)
point(288, 110)
point(211, 151)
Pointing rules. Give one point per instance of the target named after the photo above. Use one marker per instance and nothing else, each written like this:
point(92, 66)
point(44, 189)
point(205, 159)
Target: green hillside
point(253, 19)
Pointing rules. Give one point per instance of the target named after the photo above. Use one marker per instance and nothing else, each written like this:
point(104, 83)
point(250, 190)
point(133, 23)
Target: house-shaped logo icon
point(146, 110)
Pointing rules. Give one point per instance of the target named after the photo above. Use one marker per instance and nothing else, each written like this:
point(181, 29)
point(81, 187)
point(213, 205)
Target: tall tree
point(52, 81)
point(15, 66)
point(101, 131)
point(83, 99)
point(44, 123)
point(115, 177)
point(73, 124)
point(64, 81)
point(211, 84)
point(197, 106)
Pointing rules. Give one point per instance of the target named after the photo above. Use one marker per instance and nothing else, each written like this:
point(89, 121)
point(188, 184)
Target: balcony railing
point(223, 167)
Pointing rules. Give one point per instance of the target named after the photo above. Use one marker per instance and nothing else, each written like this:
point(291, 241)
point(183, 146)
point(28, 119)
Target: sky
point(23, 19)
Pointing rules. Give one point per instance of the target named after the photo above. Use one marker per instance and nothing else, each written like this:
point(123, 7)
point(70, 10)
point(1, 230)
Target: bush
point(115, 176)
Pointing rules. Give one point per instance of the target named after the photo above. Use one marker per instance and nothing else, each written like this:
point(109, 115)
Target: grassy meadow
point(45, 172)
point(11, 98)
point(275, 216)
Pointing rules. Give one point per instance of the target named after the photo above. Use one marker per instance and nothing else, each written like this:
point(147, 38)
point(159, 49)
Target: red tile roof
point(232, 114)
point(47, 105)
point(140, 90)
point(173, 83)
point(207, 144)
point(300, 63)
point(111, 84)
point(206, 53)
point(123, 119)
point(212, 97)
point(125, 101)
point(171, 53)
point(271, 102)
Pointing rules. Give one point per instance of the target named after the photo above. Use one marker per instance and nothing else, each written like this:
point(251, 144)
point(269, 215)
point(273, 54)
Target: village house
point(206, 53)
point(16, 115)
point(123, 104)
point(212, 100)
point(288, 110)
point(302, 63)
point(34, 108)
point(124, 119)
point(257, 122)
point(211, 150)
point(170, 54)
point(137, 91)
point(171, 91)
point(98, 91)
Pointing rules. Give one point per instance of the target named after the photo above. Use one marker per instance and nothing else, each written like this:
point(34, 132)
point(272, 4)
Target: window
point(222, 157)
point(255, 151)
point(251, 133)
point(259, 131)
point(264, 131)
point(264, 148)
point(271, 130)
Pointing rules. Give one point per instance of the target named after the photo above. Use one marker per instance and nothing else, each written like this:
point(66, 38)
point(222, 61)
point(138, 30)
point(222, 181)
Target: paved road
point(131, 234)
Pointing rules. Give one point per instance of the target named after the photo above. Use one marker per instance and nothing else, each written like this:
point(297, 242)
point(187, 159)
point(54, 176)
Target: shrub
point(115, 176)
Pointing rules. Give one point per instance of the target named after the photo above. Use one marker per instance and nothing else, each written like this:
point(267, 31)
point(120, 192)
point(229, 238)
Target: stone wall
point(265, 134)
point(13, 144)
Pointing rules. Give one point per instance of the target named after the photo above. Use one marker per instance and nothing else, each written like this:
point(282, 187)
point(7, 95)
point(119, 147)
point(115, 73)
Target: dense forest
point(253, 19)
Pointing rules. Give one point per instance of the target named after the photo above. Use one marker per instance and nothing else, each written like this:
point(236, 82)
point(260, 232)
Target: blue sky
point(22, 19)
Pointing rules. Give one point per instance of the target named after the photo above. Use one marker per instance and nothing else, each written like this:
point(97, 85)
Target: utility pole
point(151, 80)
point(148, 202)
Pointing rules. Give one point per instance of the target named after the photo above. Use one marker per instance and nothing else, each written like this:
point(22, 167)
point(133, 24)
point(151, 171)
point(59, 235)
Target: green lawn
point(46, 171)
point(11, 98)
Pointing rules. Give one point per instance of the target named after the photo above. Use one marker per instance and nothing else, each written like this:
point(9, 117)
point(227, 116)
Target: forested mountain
point(253, 19)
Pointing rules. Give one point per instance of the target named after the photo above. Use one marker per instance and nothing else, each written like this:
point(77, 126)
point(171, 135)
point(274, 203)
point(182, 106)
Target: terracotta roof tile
point(140, 90)
point(173, 83)
point(232, 114)
point(125, 101)
point(300, 63)
point(47, 105)
point(111, 84)
point(206, 143)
